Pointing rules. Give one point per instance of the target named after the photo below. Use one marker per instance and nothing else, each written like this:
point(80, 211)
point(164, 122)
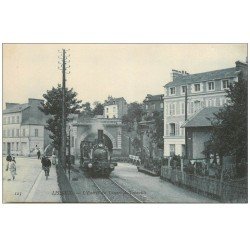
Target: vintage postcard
point(125, 123)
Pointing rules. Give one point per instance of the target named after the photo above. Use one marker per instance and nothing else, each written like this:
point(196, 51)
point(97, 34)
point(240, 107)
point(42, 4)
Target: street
point(30, 184)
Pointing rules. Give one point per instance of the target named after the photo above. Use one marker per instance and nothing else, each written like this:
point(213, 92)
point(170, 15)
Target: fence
point(223, 191)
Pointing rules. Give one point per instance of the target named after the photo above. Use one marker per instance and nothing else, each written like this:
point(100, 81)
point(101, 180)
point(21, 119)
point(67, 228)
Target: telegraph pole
point(64, 68)
point(63, 112)
point(186, 114)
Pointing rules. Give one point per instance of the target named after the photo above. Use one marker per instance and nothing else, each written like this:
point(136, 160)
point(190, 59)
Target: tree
point(87, 110)
point(229, 135)
point(135, 113)
point(159, 129)
point(98, 109)
point(53, 108)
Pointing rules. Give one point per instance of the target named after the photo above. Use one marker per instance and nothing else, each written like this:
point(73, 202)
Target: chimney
point(243, 68)
point(176, 73)
point(100, 135)
point(10, 105)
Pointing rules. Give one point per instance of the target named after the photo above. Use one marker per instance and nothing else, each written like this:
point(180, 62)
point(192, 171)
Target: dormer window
point(172, 91)
point(183, 90)
point(197, 87)
point(210, 86)
point(225, 84)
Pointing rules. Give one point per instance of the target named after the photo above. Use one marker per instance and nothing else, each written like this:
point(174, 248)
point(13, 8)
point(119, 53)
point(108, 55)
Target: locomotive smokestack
point(100, 135)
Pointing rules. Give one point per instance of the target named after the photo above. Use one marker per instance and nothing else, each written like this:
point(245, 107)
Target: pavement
point(30, 184)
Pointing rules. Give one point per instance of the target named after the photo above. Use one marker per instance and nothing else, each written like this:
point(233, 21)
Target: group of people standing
point(11, 167)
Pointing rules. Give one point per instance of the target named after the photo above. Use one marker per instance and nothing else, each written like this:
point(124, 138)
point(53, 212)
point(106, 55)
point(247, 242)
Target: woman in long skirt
point(12, 169)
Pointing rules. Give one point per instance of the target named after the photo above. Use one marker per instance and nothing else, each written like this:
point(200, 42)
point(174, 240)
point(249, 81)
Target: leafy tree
point(53, 108)
point(135, 113)
point(159, 129)
point(87, 110)
point(98, 109)
point(229, 135)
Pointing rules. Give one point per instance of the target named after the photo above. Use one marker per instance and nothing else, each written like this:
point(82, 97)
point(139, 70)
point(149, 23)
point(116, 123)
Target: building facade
point(203, 90)
point(24, 128)
point(153, 103)
point(115, 108)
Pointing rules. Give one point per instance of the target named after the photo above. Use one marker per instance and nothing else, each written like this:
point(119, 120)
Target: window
point(172, 149)
point(8, 120)
point(12, 146)
point(210, 86)
point(13, 133)
point(183, 108)
point(72, 141)
point(153, 106)
point(24, 132)
point(4, 120)
point(172, 129)
point(36, 132)
point(4, 146)
point(17, 119)
point(8, 133)
point(17, 146)
point(197, 87)
point(13, 119)
point(183, 90)
point(172, 109)
point(146, 106)
point(17, 132)
point(161, 105)
point(192, 108)
point(4, 133)
point(172, 91)
point(225, 84)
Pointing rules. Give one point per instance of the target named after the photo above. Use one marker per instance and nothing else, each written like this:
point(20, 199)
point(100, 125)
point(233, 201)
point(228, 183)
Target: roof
point(16, 108)
point(205, 76)
point(111, 100)
point(202, 118)
point(153, 98)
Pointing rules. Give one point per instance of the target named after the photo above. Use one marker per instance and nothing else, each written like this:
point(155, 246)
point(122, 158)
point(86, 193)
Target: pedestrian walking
point(12, 169)
point(46, 164)
point(8, 160)
point(53, 160)
point(38, 154)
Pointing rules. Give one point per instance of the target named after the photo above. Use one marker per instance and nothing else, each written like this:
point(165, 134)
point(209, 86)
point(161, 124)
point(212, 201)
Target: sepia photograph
point(125, 123)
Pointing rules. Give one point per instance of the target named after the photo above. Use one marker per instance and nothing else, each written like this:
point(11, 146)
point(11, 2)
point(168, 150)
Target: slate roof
point(202, 77)
point(16, 108)
point(110, 102)
point(153, 98)
point(201, 118)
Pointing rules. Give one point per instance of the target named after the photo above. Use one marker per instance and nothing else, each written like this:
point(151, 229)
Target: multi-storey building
point(205, 89)
point(153, 103)
point(23, 128)
point(115, 108)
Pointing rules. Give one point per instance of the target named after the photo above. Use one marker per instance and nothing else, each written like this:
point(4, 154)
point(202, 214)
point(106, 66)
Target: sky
point(98, 70)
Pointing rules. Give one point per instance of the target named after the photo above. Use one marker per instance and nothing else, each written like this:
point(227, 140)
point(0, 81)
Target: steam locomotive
point(95, 157)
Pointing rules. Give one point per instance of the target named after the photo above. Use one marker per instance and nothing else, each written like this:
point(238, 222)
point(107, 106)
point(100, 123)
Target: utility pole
point(63, 139)
point(186, 114)
point(69, 156)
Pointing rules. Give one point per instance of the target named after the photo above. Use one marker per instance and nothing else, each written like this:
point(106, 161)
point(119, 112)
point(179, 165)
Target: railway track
point(113, 192)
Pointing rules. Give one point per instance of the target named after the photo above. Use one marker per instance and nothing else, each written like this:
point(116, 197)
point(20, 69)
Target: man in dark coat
point(38, 154)
point(46, 164)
